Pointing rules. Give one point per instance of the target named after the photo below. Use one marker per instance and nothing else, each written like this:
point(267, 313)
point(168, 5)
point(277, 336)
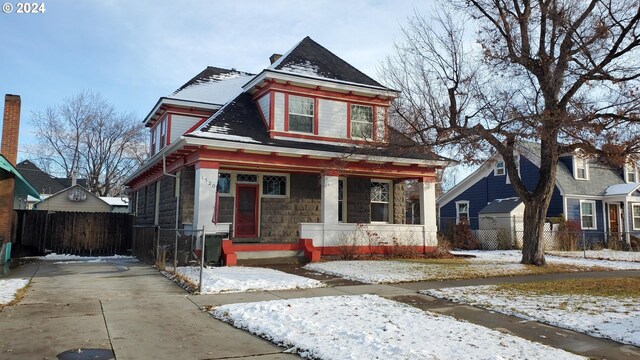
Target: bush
point(463, 237)
point(347, 246)
point(568, 234)
point(504, 240)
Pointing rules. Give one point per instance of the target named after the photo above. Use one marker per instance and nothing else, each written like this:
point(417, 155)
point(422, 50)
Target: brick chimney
point(9, 149)
point(10, 128)
point(275, 57)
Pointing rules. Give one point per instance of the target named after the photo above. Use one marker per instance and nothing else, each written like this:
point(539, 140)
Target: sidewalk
point(129, 309)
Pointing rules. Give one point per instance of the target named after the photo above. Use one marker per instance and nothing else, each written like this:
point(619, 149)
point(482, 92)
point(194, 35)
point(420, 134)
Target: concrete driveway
point(126, 309)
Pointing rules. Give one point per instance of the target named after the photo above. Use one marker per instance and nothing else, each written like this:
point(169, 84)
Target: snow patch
point(58, 257)
point(606, 317)
point(514, 256)
point(371, 327)
point(240, 278)
point(9, 288)
point(604, 254)
point(218, 89)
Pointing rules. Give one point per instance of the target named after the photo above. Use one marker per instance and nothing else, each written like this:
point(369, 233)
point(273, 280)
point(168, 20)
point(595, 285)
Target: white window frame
point(287, 185)
point(499, 170)
point(583, 160)
point(389, 203)
point(344, 199)
point(372, 122)
point(593, 215)
point(630, 169)
point(634, 217)
point(312, 116)
point(458, 203)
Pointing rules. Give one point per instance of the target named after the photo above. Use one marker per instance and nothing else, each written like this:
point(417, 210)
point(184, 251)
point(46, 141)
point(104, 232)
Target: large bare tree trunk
point(535, 213)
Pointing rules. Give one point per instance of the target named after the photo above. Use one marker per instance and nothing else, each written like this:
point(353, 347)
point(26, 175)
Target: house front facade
point(600, 201)
point(301, 153)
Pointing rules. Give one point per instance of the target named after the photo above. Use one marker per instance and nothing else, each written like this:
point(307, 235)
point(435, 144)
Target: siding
point(573, 212)
point(494, 187)
point(332, 118)
point(278, 112)
point(180, 124)
point(263, 103)
point(61, 202)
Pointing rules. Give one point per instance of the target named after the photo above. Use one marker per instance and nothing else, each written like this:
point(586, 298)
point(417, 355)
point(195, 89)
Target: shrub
point(504, 240)
point(347, 246)
point(568, 234)
point(463, 237)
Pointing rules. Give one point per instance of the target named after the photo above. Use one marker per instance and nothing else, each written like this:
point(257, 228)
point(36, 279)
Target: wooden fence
point(80, 233)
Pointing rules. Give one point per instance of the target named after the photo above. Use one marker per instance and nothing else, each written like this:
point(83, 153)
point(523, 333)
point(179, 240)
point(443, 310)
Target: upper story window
point(158, 136)
point(301, 112)
point(631, 173)
point(580, 168)
point(361, 121)
point(499, 170)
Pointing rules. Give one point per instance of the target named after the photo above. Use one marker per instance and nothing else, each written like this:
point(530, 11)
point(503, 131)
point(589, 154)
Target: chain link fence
point(507, 233)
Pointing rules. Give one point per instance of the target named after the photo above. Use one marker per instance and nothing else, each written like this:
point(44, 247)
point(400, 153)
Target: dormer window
point(580, 168)
point(301, 114)
point(361, 121)
point(631, 173)
point(499, 170)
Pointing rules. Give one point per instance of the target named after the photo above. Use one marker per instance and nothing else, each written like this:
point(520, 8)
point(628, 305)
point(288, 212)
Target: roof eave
point(178, 102)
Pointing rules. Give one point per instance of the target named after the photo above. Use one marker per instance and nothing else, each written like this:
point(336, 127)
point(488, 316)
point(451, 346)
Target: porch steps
point(272, 253)
point(273, 261)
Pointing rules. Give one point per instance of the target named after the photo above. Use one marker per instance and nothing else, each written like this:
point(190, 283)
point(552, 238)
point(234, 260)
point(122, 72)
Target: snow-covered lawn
point(514, 256)
point(9, 288)
point(604, 254)
point(484, 264)
point(371, 327)
point(607, 317)
point(239, 278)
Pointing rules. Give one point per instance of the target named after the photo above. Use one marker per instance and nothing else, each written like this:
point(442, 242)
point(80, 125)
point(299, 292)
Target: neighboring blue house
point(599, 198)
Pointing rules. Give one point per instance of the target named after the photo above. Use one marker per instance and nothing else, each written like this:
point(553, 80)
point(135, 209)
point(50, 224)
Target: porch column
point(204, 201)
point(329, 198)
point(427, 191)
point(627, 227)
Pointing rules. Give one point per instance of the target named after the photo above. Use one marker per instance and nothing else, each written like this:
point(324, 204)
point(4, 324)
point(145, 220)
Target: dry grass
point(611, 287)
point(18, 297)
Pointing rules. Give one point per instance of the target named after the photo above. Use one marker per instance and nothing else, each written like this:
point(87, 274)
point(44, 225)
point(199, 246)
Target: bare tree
point(85, 134)
point(563, 73)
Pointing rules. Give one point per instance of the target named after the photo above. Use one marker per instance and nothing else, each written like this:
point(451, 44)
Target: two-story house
point(302, 150)
point(599, 199)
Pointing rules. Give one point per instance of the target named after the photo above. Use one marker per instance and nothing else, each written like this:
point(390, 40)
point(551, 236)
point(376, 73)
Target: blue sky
point(133, 52)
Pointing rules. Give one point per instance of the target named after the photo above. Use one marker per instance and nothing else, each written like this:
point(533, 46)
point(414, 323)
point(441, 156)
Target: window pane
point(463, 208)
point(636, 210)
point(587, 209)
point(587, 221)
point(362, 130)
point(340, 219)
point(274, 185)
point(224, 183)
point(636, 223)
point(379, 212)
point(249, 178)
point(340, 190)
point(379, 192)
point(300, 105)
point(300, 123)
point(362, 121)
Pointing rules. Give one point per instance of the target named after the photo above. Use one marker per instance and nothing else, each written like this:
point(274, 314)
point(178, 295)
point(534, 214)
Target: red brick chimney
point(10, 128)
point(9, 149)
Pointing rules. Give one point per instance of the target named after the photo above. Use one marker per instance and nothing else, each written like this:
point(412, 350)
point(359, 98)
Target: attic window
point(630, 172)
point(580, 168)
point(499, 170)
point(301, 114)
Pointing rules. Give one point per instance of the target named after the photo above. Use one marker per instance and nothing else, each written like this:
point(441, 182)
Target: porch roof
point(21, 182)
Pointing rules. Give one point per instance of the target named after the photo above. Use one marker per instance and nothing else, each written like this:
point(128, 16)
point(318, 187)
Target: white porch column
point(329, 199)
point(204, 201)
point(627, 228)
point(427, 191)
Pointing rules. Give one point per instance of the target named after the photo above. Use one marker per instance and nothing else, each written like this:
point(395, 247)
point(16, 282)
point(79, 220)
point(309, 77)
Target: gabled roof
point(40, 180)
point(308, 58)
point(213, 85)
point(601, 176)
point(59, 193)
point(500, 206)
point(240, 121)
point(21, 181)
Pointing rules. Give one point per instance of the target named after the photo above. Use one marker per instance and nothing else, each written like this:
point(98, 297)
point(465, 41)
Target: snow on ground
point(9, 288)
point(371, 327)
point(604, 254)
point(515, 256)
point(388, 271)
point(66, 258)
point(607, 317)
point(240, 278)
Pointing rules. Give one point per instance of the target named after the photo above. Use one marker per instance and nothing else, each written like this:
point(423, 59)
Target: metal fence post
point(201, 261)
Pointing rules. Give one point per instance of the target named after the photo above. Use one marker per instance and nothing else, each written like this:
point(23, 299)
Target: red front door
point(246, 224)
